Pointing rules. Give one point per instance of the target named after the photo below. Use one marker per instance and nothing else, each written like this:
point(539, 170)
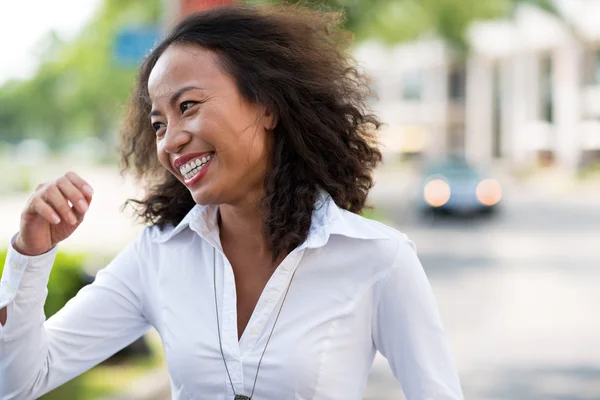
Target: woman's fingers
point(66, 199)
point(73, 194)
point(54, 197)
point(81, 183)
point(39, 206)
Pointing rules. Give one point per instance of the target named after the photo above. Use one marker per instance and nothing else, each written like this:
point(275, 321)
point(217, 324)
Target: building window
point(497, 111)
point(457, 83)
point(547, 90)
point(591, 67)
point(456, 140)
point(597, 68)
point(412, 86)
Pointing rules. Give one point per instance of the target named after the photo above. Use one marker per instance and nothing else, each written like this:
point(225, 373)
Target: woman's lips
point(187, 158)
point(198, 175)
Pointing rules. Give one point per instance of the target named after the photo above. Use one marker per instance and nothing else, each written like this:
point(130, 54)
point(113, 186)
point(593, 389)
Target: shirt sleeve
point(408, 332)
point(38, 355)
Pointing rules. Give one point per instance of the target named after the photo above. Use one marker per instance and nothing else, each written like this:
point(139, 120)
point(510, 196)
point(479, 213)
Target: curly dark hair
point(293, 61)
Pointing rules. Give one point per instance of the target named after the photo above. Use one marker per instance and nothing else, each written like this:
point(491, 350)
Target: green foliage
point(374, 214)
point(66, 279)
point(107, 379)
point(78, 90)
point(400, 20)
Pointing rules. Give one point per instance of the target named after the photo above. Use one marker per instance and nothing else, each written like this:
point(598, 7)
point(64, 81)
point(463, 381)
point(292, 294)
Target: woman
point(249, 127)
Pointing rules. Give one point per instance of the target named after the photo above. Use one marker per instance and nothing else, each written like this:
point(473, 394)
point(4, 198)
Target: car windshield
point(453, 168)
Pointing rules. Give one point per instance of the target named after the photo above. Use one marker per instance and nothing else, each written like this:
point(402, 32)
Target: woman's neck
point(241, 225)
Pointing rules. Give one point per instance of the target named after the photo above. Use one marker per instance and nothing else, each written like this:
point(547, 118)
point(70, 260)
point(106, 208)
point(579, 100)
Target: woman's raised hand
point(52, 214)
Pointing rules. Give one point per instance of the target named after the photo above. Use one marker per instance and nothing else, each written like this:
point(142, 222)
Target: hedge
point(66, 279)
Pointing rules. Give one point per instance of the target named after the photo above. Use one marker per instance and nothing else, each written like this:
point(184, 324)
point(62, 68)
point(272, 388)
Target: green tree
point(401, 20)
point(78, 89)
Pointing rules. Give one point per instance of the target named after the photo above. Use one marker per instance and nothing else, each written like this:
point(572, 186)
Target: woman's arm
point(37, 355)
point(408, 331)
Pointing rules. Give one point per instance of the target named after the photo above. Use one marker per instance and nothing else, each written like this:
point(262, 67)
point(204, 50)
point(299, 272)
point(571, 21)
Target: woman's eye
point(186, 105)
point(157, 125)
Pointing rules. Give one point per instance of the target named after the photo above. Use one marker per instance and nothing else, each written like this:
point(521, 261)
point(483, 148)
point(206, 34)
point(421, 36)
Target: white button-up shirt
point(359, 288)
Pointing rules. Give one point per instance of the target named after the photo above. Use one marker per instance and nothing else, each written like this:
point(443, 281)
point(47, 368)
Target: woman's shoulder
point(382, 241)
point(365, 227)
point(156, 233)
point(150, 238)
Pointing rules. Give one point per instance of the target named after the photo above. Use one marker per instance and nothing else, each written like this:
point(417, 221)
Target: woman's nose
point(175, 139)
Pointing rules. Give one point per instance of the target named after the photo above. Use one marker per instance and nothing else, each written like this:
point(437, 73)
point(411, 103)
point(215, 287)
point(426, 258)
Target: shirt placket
point(229, 337)
point(268, 304)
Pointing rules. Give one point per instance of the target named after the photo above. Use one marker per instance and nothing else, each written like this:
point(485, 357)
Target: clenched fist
point(52, 214)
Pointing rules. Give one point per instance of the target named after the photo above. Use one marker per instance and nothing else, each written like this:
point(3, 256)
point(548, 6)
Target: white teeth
point(190, 169)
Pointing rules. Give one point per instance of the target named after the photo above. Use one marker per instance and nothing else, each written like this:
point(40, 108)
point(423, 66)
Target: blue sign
point(132, 45)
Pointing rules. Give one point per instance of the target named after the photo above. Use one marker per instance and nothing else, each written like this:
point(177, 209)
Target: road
point(518, 293)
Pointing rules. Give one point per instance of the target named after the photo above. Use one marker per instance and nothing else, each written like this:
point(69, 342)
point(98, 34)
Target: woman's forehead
point(181, 66)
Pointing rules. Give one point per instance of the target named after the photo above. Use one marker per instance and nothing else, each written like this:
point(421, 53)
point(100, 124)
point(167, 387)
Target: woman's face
point(207, 135)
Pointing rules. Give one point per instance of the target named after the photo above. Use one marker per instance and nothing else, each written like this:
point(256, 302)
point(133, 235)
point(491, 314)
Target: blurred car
point(452, 185)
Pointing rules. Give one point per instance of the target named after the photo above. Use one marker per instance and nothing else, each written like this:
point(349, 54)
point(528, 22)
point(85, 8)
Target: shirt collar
point(327, 219)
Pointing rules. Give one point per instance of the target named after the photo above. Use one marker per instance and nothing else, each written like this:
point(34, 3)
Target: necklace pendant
point(241, 397)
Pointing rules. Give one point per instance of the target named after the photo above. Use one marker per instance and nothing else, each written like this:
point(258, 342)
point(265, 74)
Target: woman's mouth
point(194, 169)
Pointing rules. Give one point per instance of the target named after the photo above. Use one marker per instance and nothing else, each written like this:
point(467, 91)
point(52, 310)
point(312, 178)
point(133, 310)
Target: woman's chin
point(201, 199)
point(204, 196)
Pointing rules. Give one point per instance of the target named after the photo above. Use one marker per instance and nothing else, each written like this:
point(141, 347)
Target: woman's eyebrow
point(176, 97)
point(181, 91)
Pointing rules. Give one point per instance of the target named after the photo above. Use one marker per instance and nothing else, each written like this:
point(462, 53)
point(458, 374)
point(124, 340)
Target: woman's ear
point(270, 119)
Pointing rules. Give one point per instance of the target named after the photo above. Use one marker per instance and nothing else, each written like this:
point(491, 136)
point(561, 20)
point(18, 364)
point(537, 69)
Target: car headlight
point(436, 193)
point(489, 192)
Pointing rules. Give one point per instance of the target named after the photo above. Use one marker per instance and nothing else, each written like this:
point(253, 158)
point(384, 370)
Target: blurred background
point(492, 167)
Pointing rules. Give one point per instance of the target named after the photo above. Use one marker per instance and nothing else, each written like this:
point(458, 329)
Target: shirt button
point(15, 265)
point(255, 331)
point(271, 297)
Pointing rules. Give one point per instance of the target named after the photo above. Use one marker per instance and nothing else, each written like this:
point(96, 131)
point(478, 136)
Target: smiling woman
point(198, 115)
point(250, 129)
point(277, 101)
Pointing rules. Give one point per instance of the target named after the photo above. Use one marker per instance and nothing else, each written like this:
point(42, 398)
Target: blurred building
point(420, 95)
point(529, 93)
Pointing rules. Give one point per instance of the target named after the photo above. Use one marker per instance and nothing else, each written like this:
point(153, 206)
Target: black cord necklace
point(239, 396)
